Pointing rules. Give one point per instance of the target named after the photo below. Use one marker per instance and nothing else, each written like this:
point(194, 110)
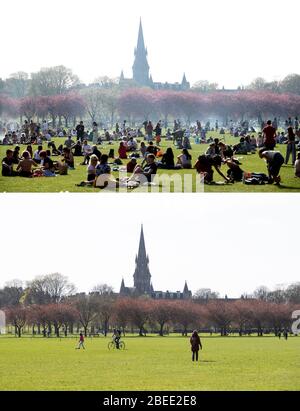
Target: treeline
point(49, 305)
point(136, 105)
point(56, 93)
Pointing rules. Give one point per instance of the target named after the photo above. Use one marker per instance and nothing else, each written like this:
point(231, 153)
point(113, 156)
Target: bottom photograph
point(168, 293)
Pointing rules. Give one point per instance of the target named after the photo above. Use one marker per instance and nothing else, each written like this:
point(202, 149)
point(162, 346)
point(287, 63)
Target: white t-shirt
point(86, 149)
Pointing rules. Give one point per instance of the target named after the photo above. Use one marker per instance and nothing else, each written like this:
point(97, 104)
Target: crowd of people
point(141, 148)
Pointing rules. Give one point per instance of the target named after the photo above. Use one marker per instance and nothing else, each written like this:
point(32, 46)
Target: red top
point(81, 338)
point(269, 133)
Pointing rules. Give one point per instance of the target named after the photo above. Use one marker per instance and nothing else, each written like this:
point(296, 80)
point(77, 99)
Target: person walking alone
point(195, 344)
point(81, 342)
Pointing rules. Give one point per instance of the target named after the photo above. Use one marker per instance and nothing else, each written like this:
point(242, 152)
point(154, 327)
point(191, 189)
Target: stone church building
point(142, 284)
point(141, 75)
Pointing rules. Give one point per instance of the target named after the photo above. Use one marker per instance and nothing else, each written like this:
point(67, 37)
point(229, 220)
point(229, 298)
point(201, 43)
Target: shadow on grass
point(282, 186)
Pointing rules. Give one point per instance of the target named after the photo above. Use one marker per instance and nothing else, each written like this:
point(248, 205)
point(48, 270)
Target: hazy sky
point(229, 42)
point(231, 243)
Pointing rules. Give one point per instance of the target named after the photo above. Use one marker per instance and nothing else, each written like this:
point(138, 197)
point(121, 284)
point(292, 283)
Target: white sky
point(229, 42)
point(231, 243)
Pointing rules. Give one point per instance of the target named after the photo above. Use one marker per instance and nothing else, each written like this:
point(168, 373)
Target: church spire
point(142, 276)
point(140, 43)
point(140, 66)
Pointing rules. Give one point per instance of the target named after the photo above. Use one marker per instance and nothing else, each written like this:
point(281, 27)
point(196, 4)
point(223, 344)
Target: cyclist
point(116, 337)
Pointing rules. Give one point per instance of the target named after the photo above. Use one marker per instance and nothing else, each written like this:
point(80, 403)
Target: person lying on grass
point(205, 165)
point(274, 161)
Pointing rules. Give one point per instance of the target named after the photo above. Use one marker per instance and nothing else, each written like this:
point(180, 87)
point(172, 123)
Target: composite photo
point(187, 294)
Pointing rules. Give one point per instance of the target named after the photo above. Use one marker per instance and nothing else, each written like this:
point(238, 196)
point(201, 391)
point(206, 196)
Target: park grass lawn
point(151, 363)
point(250, 162)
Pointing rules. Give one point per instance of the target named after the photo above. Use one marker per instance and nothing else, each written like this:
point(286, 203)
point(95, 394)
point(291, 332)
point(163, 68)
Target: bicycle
point(112, 345)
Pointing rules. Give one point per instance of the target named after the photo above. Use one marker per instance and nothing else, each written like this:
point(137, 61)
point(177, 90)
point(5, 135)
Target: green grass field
point(250, 162)
point(151, 363)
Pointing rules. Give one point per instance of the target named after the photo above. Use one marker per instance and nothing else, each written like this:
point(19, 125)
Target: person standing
point(80, 131)
point(81, 342)
point(269, 133)
point(158, 133)
point(149, 131)
point(291, 146)
point(195, 344)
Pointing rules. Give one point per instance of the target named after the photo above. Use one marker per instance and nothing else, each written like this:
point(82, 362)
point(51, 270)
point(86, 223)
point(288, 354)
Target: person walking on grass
point(195, 344)
point(81, 342)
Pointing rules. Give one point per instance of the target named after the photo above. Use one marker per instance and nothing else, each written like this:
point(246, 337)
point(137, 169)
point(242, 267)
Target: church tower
point(140, 66)
point(142, 276)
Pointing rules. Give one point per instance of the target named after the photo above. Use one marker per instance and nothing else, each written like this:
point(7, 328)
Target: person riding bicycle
point(116, 337)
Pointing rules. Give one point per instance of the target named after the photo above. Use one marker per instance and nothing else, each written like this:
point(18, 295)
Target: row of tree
point(95, 312)
point(104, 105)
point(50, 81)
point(49, 304)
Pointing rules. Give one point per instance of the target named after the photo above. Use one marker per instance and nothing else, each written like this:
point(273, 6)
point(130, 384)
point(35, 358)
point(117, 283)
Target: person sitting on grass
point(47, 165)
point(148, 171)
point(167, 161)
point(234, 172)
point(211, 150)
point(241, 147)
point(69, 142)
point(30, 151)
point(131, 144)
point(184, 160)
point(7, 165)
point(77, 149)
point(131, 165)
point(91, 172)
point(225, 151)
point(16, 155)
point(122, 150)
point(152, 149)
point(274, 161)
point(86, 152)
point(25, 165)
point(297, 166)
point(55, 151)
point(68, 157)
point(204, 167)
point(96, 152)
point(36, 155)
point(104, 178)
point(143, 149)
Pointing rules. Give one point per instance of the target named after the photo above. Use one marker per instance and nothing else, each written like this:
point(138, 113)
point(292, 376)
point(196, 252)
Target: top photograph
point(123, 97)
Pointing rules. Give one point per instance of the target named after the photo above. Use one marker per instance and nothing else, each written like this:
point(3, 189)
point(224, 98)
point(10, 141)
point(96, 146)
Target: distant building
point(141, 68)
point(142, 284)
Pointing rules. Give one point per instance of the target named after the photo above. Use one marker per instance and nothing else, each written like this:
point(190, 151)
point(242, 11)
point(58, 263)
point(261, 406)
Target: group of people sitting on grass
point(152, 157)
point(37, 164)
